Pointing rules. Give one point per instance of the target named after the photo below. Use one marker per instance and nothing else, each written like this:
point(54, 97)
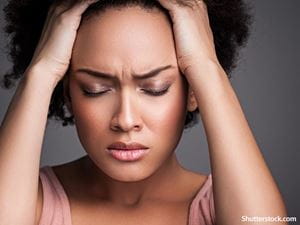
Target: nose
point(127, 116)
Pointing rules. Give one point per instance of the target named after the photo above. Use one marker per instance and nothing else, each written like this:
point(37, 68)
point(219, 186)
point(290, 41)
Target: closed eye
point(151, 92)
point(156, 92)
point(94, 94)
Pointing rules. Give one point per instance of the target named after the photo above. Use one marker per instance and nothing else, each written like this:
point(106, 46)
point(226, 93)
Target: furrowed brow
point(143, 76)
point(152, 73)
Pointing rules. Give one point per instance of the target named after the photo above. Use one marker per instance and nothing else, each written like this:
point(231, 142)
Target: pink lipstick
point(127, 152)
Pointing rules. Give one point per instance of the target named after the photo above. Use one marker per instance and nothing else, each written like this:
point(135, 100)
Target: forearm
point(21, 137)
point(243, 184)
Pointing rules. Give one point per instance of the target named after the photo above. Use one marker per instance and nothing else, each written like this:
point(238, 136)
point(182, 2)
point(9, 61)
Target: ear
point(192, 104)
point(66, 93)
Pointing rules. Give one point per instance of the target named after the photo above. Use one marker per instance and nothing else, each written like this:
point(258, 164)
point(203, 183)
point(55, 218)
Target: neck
point(156, 186)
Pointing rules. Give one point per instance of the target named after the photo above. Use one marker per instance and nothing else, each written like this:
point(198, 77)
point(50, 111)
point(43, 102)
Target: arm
point(242, 182)
point(21, 137)
point(22, 130)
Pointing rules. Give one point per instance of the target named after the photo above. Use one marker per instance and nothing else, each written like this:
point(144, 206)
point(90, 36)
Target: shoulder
point(197, 178)
point(202, 206)
point(194, 182)
point(65, 173)
point(69, 176)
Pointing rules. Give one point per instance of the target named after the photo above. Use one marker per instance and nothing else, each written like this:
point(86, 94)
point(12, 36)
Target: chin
point(127, 171)
point(129, 174)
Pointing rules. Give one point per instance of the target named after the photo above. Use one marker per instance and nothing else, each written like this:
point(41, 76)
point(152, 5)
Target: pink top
point(56, 207)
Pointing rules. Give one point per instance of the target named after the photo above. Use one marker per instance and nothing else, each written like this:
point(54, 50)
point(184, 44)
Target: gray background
point(267, 84)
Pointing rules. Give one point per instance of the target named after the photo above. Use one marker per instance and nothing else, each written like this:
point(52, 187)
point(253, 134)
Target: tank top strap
point(56, 207)
point(202, 211)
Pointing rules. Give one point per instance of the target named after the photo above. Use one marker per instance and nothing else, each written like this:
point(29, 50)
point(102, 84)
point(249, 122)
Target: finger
point(45, 27)
point(57, 9)
point(47, 24)
point(167, 4)
point(71, 16)
point(79, 7)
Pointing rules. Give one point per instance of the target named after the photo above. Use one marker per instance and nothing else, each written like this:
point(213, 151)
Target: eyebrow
point(143, 76)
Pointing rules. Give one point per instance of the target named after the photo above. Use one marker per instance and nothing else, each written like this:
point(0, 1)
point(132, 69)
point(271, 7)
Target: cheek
point(165, 115)
point(168, 114)
point(92, 117)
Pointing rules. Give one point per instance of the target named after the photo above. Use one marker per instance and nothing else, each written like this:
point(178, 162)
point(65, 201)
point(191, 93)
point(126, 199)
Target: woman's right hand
point(53, 52)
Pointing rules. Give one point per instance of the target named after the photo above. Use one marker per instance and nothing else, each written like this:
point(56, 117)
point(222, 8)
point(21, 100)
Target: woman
point(132, 73)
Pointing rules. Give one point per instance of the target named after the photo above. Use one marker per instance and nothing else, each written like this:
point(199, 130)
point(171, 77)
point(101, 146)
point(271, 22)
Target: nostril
point(116, 127)
point(125, 125)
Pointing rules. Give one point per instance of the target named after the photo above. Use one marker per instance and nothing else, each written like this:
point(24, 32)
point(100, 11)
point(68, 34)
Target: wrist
point(203, 67)
point(38, 75)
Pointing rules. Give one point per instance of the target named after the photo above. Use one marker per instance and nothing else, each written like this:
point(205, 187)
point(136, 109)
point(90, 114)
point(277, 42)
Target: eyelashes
point(151, 92)
point(155, 92)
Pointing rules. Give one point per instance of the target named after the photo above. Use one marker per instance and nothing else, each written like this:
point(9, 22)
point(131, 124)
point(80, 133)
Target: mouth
point(126, 146)
point(127, 151)
point(127, 155)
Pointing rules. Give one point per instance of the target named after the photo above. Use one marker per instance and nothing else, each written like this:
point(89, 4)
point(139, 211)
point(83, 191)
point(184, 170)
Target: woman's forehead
point(131, 36)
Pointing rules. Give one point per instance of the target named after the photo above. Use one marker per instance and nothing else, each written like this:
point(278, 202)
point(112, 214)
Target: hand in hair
point(192, 33)
point(53, 52)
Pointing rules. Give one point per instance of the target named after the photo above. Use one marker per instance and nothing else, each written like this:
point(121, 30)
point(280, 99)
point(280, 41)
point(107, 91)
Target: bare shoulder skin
point(82, 202)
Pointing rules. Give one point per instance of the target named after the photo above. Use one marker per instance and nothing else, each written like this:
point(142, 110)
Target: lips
point(126, 146)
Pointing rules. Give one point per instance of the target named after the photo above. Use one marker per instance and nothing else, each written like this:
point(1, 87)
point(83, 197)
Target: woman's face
point(126, 44)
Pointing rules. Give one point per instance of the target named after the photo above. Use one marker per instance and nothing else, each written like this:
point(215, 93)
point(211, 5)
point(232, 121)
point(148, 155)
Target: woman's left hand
point(193, 36)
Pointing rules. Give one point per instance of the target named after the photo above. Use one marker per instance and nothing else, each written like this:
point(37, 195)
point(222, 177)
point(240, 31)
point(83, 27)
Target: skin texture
point(123, 43)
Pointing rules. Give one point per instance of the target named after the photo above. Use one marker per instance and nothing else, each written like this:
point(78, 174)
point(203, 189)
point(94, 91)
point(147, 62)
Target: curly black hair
point(230, 22)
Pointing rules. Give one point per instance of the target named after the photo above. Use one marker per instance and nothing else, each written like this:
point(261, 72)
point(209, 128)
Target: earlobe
point(192, 104)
